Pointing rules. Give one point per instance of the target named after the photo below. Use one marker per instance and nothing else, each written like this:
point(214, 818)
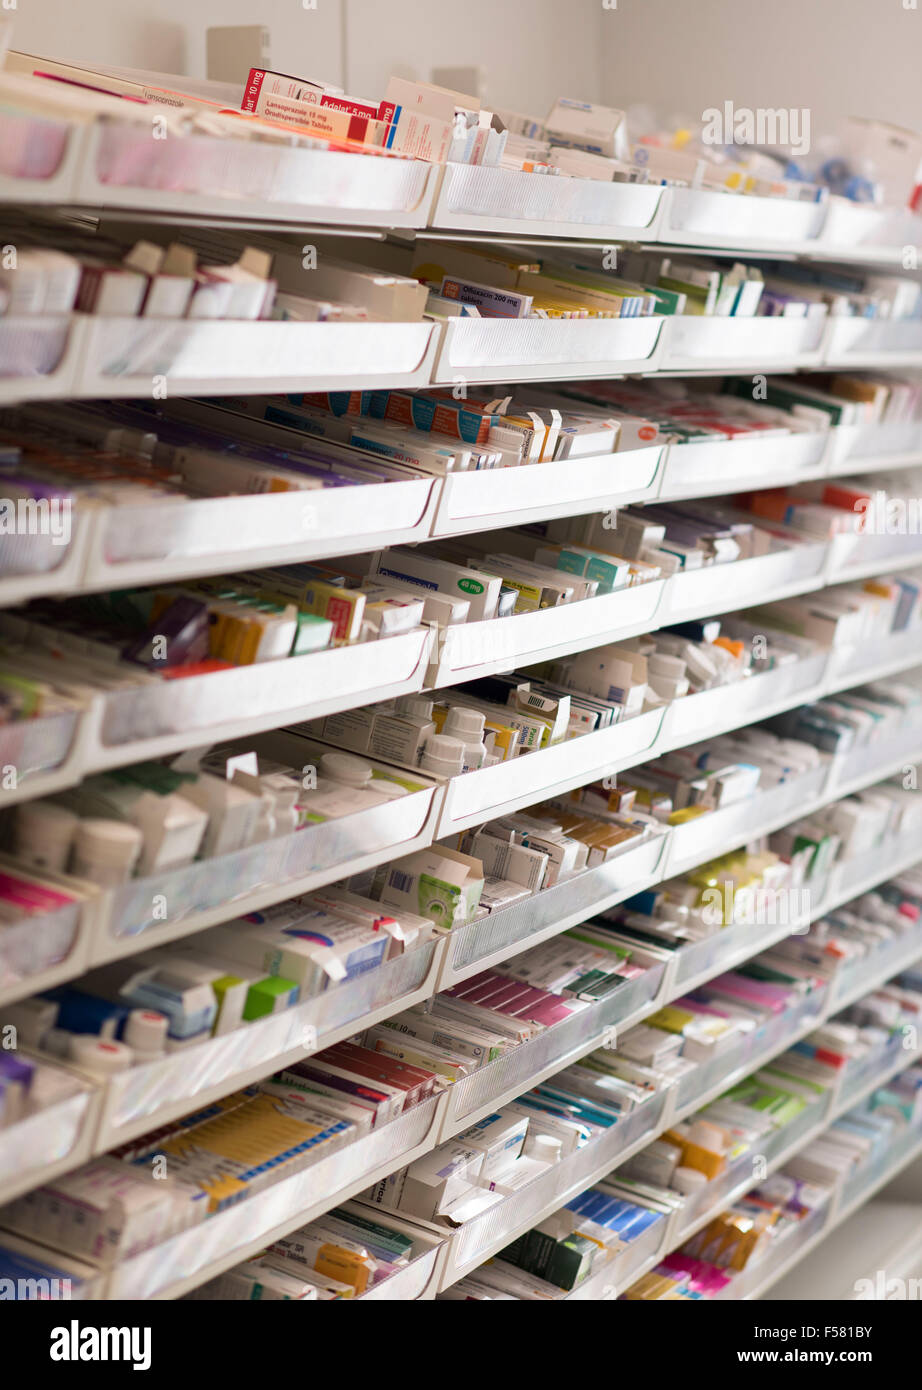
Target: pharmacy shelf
point(600, 1024)
point(699, 344)
point(596, 1025)
point(165, 540)
point(609, 1281)
point(500, 1225)
point(879, 1243)
point(89, 356)
point(175, 1266)
point(784, 1143)
point(132, 1104)
point(489, 792)
point(118, 165)
point(161, 541)
point(720, 221)
point(50, 1142)
point(484, 943)
point(112, 165)
point(99, 357)
point(845, 1201)
point(468, 651)
point(158, 1092)
point(508, 202)
point(533, 349)
point(509, 497)
point(163, 908)
point(152, 911)
point(732, 465)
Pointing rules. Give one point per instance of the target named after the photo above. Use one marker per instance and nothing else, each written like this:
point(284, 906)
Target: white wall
point(169, 35)
point(834, 57)
point(532, 50)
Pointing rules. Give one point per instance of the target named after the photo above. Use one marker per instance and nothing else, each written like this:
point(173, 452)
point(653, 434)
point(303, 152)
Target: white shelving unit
point(109, 167)
point(885, 1235)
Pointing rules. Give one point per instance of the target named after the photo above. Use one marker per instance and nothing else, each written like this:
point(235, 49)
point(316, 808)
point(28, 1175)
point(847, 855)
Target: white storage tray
point(203, 177)
point(479, 796)
point(62, 149)
point(150, 911)
point(40, 952)
point(861, 230)
point(856, 557)
point(730, 826)
point(188, 357)
point(173, 1267)
point(543, 206)
point(48, 1143)
point(733, 465)
point(39, 357)
point(466, 651)
point(168, 716)
point(499, 1225)
point(489, 349)
point(699, 343)
point(696, 217)
point(712, 712)
point(859, 342)
point(154, 1093)
point(421, 1276)
point(703, 592)
point(39, 750)
point(508, 1076)
point(482, 944)
point(160, 541)
point(866, 448)
point(540, 491)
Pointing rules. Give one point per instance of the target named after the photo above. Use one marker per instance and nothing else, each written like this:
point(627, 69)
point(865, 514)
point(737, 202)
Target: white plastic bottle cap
point(386, 786)
point(146, 1030)
point(106, 851)
point(688, 1180)
point(544, 1147)
point(99, 1054)
point(44, 833)
point(465, 724)
point(442, 755)
point(414, 707)
point(342, 767)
